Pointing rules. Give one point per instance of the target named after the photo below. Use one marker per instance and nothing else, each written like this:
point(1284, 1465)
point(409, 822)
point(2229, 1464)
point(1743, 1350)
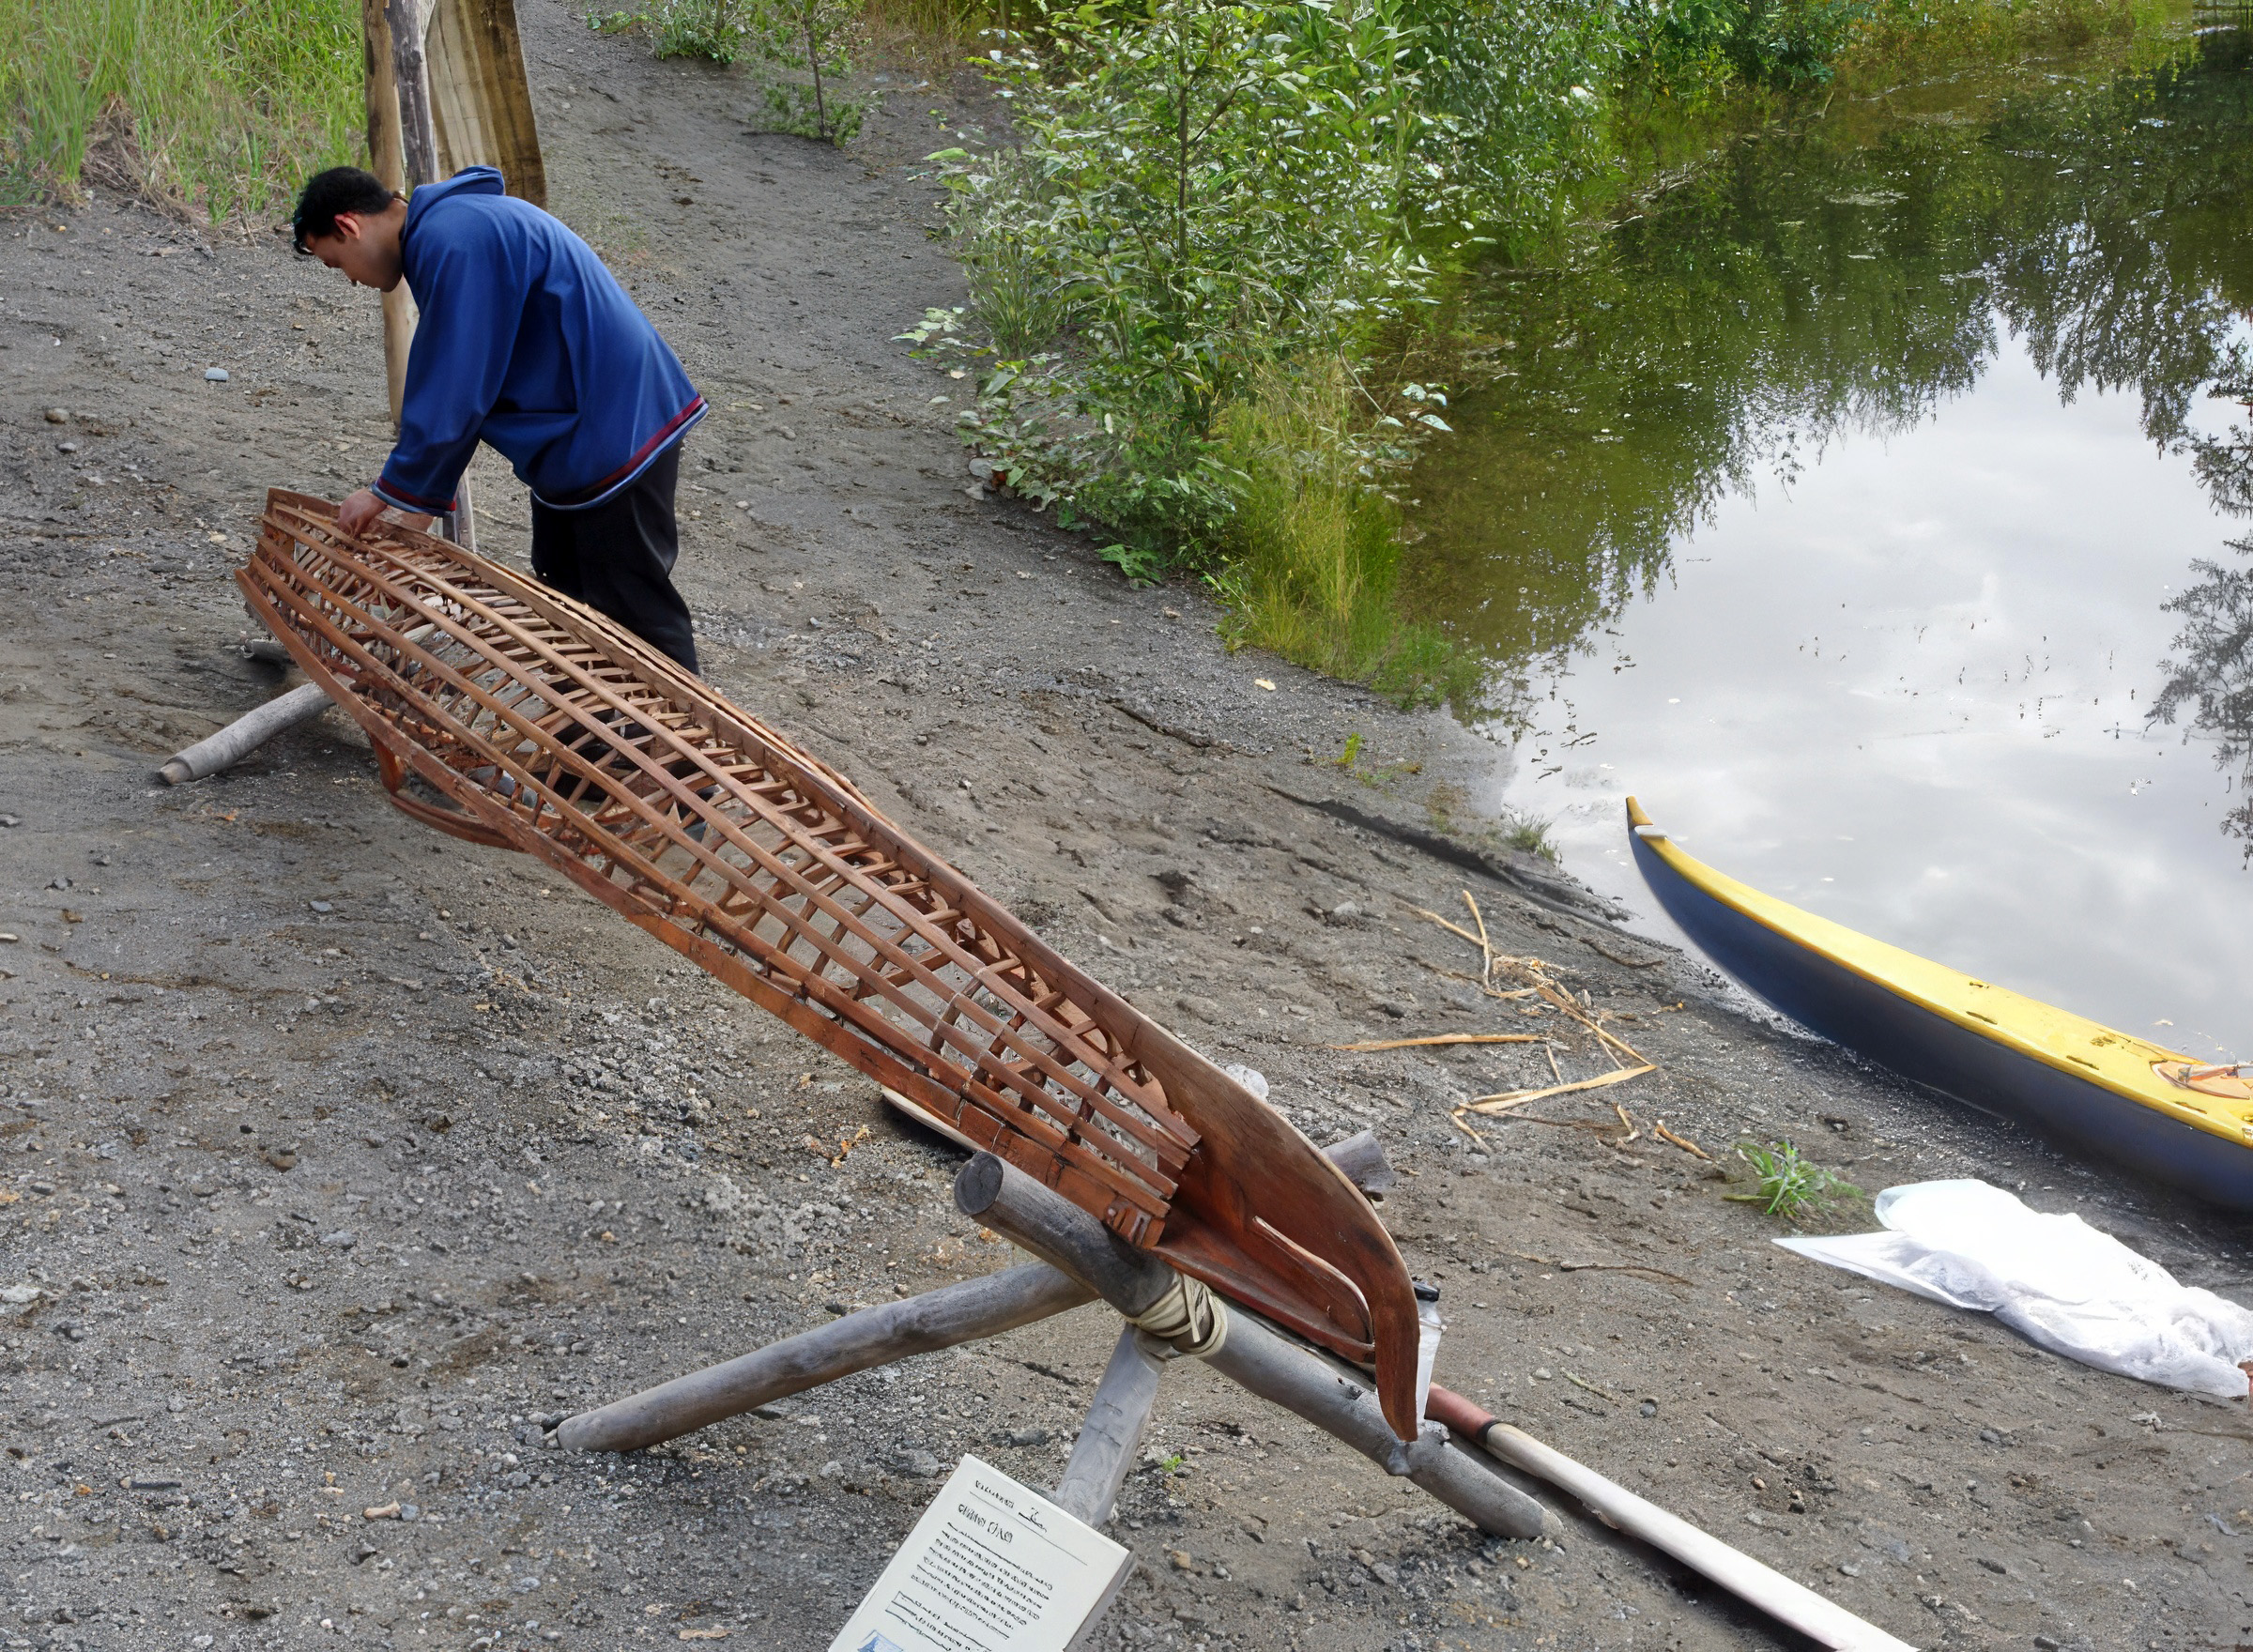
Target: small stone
point(7, 936)
point(10, 820)
point(1541, 1373)
point(1028, 1436)
point(215, 375)
point(525, 1586)
point(1995, 1566)
point(343, 1239)
point(57, 416)
point(919, 1466)
point(66, 447)
point(1849, 1569)
point(1650, 1408)
point(2048, 1644)
point(321, 906)
point(409, 1511)
point(59, 883)
point(17, 1294)
point(1180, 1557)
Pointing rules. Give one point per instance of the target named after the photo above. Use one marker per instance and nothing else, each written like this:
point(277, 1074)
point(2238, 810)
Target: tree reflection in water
point(1840, 281)
point(2212, 676)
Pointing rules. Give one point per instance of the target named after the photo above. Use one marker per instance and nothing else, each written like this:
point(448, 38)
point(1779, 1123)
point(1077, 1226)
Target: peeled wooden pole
point(252, 729)
point(245, 735)
point(978, 1308)
point(1342, 1404)
point(1790, 1603)
point(1113, 1431)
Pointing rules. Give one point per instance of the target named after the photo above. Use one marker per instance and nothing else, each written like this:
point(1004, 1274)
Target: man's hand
point(358, 512)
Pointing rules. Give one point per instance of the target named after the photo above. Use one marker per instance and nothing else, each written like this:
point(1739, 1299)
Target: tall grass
point(1312, 551)
point(223, 105)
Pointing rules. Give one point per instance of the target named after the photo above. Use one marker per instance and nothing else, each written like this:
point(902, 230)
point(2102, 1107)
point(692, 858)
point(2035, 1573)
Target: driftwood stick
point(1338, 1401)
point(978, 1308)
point(1104, 1453)
point(1771, 1592)
point(245, 735)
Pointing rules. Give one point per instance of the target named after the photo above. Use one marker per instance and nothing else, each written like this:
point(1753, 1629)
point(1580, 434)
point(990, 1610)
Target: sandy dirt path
point(337, 1158)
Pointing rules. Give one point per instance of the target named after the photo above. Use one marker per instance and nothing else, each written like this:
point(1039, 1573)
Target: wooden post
point(388, 163)
point(1113, 1431)
point(415, 136)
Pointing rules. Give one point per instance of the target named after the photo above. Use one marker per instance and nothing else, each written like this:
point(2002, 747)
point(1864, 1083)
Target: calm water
point(1853, 510)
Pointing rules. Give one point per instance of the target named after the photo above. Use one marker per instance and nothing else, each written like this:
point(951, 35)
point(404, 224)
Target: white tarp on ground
point(2054, 1279)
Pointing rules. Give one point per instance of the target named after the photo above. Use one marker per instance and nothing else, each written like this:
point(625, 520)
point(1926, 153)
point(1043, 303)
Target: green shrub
point(225, 104)
point(1155, 220)
point(811, 38)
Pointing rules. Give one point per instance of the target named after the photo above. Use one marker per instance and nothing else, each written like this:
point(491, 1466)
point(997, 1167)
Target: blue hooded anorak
point(527, 342)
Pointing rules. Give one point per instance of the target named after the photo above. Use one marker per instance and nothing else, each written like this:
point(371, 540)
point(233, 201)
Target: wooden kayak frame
point(507, 715)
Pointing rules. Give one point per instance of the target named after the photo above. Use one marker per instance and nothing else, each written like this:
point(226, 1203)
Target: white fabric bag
point(2054, 1279)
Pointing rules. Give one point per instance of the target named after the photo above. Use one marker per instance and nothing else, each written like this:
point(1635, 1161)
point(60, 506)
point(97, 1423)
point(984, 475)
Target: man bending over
point(526, 342)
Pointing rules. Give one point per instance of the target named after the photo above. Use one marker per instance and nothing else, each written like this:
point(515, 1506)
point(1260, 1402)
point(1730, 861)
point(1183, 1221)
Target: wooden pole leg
point(1104, 1453)
point(245, 735)
point(891, 1331)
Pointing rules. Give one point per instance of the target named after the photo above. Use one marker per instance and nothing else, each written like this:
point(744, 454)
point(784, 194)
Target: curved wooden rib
point(536, 724)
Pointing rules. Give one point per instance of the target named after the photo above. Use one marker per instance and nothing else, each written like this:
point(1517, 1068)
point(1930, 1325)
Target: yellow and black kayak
point(2117, 1098)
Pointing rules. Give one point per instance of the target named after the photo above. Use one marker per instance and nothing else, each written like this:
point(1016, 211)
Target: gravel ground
point(337, 1158)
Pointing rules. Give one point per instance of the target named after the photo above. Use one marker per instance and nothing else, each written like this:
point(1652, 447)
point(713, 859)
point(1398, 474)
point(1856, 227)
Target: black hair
point(340, 189)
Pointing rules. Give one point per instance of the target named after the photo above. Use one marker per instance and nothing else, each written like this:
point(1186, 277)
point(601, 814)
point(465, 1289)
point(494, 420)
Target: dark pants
point(618, 558)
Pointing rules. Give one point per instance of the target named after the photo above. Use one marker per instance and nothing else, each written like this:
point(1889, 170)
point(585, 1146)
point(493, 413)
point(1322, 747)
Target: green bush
point(1156, 218)
point(714, 29)
point(226, 104)
point(807, 36)
point(810, 37)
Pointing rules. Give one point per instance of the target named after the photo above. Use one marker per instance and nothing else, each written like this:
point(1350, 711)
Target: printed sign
point(991, 1567)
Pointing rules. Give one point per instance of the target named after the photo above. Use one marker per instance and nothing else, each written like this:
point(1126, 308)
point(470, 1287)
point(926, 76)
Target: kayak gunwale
point(2117, 1064)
